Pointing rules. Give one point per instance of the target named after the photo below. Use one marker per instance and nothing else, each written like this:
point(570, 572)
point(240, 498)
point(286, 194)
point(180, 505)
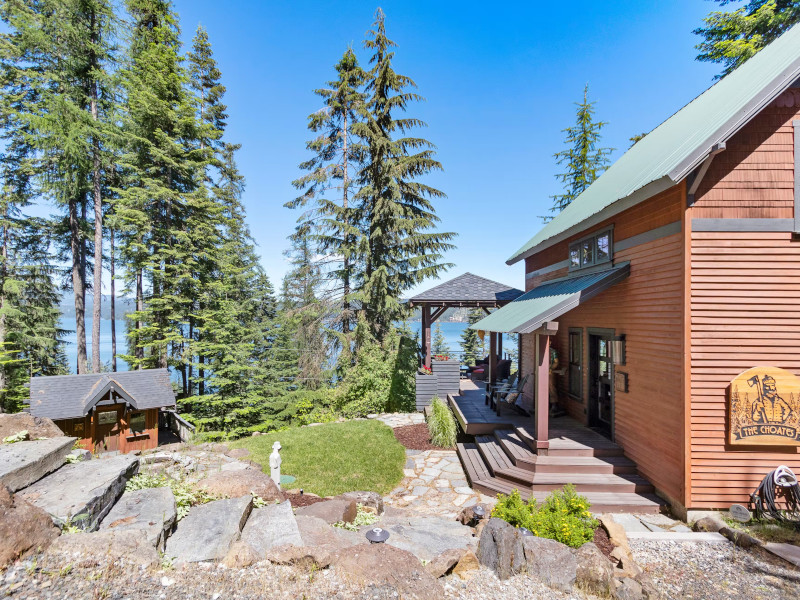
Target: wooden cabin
point(670, 289)
point(106, 411)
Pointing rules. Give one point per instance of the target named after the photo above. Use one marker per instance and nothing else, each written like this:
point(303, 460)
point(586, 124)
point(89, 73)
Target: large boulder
point(616, 532)
point(595, 573)
point(24, 527)
point(83, 493)
point(444, 563)
point(24, 463)
point(387, 568)
point(467, 566)
point(37, 427)
point(242, 482)
point(209, 530)
point(152, 510)
point(550, 561)
point(129, 548)
point(271, 526)
point(332, 511)
point(365, 499)
point(500, 548)
point(426, 537)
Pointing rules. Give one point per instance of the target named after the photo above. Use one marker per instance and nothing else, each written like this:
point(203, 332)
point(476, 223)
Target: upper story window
point(591, 250)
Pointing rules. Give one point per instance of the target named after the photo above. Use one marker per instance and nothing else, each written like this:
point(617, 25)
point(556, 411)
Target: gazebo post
point(499, 346)
point(426, 334)
point(492, 375)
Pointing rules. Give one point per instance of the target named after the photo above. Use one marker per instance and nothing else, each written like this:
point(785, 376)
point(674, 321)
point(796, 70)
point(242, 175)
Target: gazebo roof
point(467, 290)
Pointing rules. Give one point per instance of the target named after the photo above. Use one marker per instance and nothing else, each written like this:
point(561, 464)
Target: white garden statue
point(275, 464)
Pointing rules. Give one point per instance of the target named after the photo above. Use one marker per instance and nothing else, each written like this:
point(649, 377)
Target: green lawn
point(335, 458)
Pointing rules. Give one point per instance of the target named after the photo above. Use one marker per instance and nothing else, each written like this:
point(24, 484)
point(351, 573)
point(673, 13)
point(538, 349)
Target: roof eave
point(643, 193)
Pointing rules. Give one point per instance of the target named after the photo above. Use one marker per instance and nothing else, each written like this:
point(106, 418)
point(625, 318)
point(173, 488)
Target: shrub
point(563, 516)
point(402, 393)
point(442, 425)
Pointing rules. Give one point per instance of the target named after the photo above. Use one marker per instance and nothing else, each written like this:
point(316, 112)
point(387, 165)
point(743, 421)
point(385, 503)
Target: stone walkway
point(434, 484)
point(399, 419)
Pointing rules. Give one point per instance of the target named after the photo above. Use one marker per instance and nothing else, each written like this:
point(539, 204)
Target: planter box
point(427, 388)
point(448, 374)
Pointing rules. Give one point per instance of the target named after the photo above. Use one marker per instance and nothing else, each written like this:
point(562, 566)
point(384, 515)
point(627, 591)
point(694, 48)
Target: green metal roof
point(673, 149)
point(550, 300)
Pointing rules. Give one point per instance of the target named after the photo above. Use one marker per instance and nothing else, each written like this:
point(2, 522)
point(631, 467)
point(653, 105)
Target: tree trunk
point(139, 351)
point(190, 386)
point(98, 242)
point(3, 275)
point(78, 249)
point(346, 261)
point(113, 305)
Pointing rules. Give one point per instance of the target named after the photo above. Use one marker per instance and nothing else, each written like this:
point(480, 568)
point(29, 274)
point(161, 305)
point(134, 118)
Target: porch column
point(542, 387)
point(426, 334)
point(499, 346)
point(491, 376)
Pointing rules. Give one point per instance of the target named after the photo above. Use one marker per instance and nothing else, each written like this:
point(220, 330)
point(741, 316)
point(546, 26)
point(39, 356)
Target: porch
point(503, 457)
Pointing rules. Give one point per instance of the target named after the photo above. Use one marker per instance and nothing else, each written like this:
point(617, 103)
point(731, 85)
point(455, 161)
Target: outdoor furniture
point(500, 386)
point(510, 396)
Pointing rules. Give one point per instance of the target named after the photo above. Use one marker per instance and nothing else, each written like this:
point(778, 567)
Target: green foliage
point(564, 516)
point(442, 425)
point(366, 386)
point(471, 346)
point(363, 519)
point(732, 37)
point(186, 495)
point(403, 390)
point(584, 159)
point(334, 458)
point(20, 436)
point(438, 342)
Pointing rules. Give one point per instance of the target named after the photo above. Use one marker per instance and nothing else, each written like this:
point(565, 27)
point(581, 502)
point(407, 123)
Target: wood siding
point(745, 291)
point(662, 209)
point(754, 176)
point(126, 442)
point(648, 309)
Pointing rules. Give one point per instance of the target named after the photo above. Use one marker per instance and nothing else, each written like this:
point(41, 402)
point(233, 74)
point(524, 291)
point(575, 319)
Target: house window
point(138, 424)
point(592, 250)
point(575, 362)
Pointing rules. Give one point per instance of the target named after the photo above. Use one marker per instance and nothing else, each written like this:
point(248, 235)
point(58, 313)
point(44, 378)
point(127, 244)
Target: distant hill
point(123, 306)
point(455, 315)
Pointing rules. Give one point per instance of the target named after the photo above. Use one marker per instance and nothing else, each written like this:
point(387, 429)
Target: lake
point(71, 347)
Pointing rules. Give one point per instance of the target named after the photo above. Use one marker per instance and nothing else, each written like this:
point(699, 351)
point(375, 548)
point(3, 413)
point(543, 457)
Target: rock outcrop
point(271, 526)
point(151, 510)
point(245, 481)
point(332, 511)
point(24, 463)
point(83, 493)
point(37, 427)
point(24, 528)
point(209, 530)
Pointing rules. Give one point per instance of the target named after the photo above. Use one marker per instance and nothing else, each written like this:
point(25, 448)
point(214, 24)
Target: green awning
point(549, 301)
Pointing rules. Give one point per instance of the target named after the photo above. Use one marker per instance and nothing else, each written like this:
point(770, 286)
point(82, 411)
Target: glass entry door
point(601, 396)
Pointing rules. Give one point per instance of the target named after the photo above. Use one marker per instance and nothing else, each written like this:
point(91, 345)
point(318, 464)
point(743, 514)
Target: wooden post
point(499, 346)
point(426, 334)
point(492, 374)
point(542, 392)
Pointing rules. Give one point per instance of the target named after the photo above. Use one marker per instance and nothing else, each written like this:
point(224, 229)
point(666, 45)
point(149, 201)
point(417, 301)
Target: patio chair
point(511, 396)
point(500, 385)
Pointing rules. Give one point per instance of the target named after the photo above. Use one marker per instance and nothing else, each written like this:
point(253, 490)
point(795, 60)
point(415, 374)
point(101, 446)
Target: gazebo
point(469, 291)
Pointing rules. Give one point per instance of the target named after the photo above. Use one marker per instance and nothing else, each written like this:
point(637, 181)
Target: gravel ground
point(262, 581)
point(716, 571)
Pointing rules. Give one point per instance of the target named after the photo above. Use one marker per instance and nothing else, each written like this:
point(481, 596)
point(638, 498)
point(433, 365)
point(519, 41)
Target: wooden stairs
point(504, 460)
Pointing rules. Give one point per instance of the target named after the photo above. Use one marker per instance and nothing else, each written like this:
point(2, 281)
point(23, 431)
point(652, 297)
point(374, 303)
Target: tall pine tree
point(399, 244)
point(731, 37)
point(583, 158)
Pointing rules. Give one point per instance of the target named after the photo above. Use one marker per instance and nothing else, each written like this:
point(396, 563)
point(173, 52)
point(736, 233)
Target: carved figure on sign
point(769, 407)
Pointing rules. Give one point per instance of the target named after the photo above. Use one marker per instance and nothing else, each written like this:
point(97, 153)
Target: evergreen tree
point(438, 342)
point(399, 244)
point(469, 338)
point(584, 159)
point(331, 221)
point(731, 37)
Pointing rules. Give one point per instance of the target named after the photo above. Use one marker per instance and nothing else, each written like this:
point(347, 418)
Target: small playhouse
point(105, 411)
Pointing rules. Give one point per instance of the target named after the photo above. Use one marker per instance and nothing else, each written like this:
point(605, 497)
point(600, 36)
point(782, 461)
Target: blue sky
point(500, 82)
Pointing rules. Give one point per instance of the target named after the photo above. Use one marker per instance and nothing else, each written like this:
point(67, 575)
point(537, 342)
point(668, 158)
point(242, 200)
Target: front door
point(601, 397)
point(107, 427)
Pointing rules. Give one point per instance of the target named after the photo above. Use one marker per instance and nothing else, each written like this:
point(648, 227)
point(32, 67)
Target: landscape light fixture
point(618, 350)
point(478, 512)
point(524, 532)
point(377, 535)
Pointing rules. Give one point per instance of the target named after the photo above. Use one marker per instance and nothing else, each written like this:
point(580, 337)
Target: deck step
point(591, 482)
point(572, 442)
point(618, 465)
point(472, 461)
point(517, 450)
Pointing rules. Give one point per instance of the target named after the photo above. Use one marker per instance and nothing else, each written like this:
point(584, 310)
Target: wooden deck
point(502, 458)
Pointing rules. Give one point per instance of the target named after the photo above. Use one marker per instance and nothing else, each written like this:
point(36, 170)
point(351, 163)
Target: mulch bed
point(302, 499)
point(415, 437)
point(602, 541)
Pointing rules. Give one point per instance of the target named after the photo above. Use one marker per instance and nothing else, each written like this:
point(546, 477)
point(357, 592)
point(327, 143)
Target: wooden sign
point(764, 405)
point(739, 513)
point(620, 381)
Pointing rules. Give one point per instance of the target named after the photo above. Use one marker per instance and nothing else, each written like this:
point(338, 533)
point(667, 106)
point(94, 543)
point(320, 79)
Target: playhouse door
point(107, 426)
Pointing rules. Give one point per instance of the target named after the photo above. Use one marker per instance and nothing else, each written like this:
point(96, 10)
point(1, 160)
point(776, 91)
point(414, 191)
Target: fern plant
point(442, 424)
